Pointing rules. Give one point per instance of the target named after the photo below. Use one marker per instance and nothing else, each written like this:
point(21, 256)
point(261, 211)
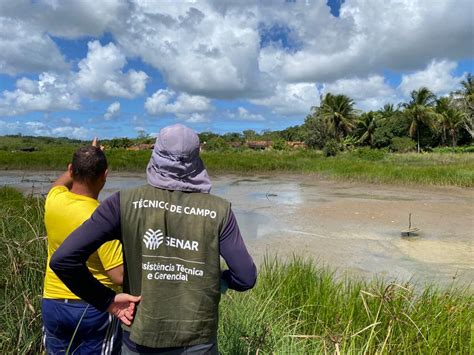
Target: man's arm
point(69, 260)
point(116, 274)
point(64, 180)
point(242, 273)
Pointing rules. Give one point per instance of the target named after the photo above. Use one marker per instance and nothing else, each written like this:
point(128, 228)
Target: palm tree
point(465, 100)
point(420, 111)
point(442, 106)
point(368, 124)
point(453, 120)
point(338, 112)
point(388, 110)
point(468, 87)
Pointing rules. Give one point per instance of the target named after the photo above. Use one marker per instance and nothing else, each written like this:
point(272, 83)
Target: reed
point(301, 308)
point(22, 260)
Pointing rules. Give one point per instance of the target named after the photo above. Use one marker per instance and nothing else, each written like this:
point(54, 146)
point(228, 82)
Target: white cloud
point(74, 132)
point(67, 18)
point(49, 93)
point(100, 74)
point(79, 18)
point(369, 94)
point(195, 118)
point(291, 99)
point(245, 115)
point(25, 48)
point(436, 76)
point(372, 35)
point(211, 49)
point(37, 128)
point(184, 106)
point(242, 114)
point(112, 111)
point(200, 49)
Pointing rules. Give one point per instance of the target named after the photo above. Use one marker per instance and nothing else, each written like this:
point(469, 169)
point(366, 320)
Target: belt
point(68, 300)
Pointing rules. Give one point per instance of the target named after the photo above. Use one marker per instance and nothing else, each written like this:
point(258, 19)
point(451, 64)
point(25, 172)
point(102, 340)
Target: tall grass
point(361, 165)
point(365, 165)
point(297, 307)
point(22, 260)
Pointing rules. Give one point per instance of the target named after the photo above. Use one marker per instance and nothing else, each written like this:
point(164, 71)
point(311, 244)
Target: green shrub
point(216, 143)
point(366, 153)
point(402, 144)
point(331, 148)
point(279, 144)
point(468, 149)
point(315, 132)
point(394, 126)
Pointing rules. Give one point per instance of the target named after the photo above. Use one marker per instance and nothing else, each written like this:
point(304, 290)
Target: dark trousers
point(79, 327)
point(209, 348)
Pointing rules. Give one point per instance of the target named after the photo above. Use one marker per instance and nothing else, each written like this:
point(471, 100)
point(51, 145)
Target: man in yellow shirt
point(70, 323)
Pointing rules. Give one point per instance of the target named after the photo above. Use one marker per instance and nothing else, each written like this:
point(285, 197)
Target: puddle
point(349, 226)
point(255, 225)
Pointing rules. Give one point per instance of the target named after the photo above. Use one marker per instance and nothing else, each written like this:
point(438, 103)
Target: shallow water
point(350, 226)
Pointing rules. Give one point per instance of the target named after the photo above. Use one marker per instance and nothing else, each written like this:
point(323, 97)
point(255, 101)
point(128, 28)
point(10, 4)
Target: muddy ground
point(353, 227)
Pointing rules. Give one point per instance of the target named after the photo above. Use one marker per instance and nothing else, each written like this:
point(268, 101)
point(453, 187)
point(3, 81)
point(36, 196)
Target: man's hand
point(123, 307)
point(97, 145)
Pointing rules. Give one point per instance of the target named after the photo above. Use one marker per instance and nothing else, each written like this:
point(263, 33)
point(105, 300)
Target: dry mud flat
point(356, 227)
point(353, 227)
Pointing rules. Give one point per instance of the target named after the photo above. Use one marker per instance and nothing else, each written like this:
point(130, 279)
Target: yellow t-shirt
point(64, 212)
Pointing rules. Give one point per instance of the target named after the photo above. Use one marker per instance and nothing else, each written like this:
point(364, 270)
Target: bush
point(468, 149)
point(315, 132)
point(367, 153)
point(331, 148)
point(216, 143)
point(402, 144)
point(279, 144)
point(118, 143)
point(394, 126)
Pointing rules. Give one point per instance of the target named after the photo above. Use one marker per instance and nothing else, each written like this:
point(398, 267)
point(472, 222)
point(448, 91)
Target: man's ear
point(106, 172)
point(69, 169)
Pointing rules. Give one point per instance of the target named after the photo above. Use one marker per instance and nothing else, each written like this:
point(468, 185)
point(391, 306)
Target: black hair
point(88, 164)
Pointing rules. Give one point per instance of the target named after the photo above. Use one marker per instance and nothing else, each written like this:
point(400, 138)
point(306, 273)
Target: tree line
point(424, 122)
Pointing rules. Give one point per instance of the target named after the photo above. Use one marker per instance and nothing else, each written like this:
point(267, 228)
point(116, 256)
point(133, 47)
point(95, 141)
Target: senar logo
point(153, 239)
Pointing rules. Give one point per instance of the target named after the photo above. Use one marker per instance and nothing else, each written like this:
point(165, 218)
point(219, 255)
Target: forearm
point(242, 273)
point(64, 180)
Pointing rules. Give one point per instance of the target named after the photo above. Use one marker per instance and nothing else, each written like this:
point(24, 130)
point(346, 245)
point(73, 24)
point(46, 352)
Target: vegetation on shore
point(363, 164)
point(22, 259)
point(300, 308)
point(297, 307)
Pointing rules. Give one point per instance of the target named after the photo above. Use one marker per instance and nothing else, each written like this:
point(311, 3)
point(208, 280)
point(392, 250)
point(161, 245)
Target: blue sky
point(80, 68)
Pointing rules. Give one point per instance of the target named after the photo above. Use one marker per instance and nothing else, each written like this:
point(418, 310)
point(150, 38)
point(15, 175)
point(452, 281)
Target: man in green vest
point(173, 233)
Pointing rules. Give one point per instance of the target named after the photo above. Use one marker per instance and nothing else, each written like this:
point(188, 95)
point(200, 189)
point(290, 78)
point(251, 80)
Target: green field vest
point(171, 258)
